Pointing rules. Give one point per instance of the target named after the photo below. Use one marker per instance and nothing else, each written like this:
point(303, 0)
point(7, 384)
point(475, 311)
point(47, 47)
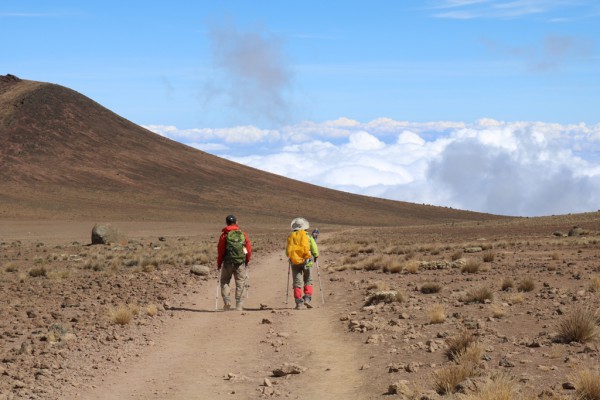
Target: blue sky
point(489, 105)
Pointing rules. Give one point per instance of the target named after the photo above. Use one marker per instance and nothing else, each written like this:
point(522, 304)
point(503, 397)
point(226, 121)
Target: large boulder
point(106, 234)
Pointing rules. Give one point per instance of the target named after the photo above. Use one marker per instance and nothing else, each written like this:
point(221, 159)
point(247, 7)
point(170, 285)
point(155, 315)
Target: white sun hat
point(300, 223)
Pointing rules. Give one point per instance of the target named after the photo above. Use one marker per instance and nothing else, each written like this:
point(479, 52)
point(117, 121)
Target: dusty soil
point(59, 341)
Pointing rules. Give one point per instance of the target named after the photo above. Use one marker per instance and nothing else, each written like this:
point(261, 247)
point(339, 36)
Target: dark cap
point(230, 219)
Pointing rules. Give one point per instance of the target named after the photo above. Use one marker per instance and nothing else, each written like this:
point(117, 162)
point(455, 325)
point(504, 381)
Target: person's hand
point(316, 258)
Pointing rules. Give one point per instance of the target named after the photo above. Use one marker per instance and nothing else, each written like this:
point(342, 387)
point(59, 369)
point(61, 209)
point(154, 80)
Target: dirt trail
point(193, 358)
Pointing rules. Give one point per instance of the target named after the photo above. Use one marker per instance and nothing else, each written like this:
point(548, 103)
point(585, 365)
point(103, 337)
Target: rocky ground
point(397, 300)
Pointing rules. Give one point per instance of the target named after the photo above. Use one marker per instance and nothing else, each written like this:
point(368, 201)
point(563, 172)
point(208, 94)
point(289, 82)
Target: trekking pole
point(287, 290)
point(218, 284)
point(320, 285)
point(246, 284)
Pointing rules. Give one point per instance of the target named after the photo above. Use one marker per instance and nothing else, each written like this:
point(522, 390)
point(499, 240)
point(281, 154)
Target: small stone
point(266, 321)
point(568, 386)
point(288, 369)
point(267, 382)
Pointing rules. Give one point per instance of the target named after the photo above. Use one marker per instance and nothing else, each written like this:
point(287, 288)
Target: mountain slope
point(62, 155)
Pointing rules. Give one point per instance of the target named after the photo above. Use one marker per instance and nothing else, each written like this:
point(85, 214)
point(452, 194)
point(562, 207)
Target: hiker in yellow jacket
point(301, 250)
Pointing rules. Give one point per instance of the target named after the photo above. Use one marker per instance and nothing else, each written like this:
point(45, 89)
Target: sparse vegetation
point(478, 295)
point(526, 284)
point(587, 385)
point(37, 272)
point(430, 287)
point(436, 313)
point(471, 266)
point(581, 325)
point(458, 344)
point(595, 284)
point(489, 256)
point(412, 267)
point(507, 284)
point(121, 315)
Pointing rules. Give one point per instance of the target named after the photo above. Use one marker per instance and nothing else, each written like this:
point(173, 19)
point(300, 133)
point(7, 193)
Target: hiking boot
point(299, 304)
point(307, 300)
point(227, 307)
point(238, 307)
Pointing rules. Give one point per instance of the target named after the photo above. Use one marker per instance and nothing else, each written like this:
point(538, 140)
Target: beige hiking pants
point(239, 273)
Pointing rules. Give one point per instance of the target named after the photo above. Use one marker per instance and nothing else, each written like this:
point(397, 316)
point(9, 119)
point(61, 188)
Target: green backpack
point(234, 247)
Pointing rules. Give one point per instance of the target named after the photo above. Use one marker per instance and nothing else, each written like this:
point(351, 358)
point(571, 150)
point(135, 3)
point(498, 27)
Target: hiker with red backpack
point(301, 250)
point(233, 256)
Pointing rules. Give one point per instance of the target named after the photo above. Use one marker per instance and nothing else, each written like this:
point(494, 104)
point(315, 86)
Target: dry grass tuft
point(412, 267)
point(497, 387)
point(457, 255)
point(587, 385)
point(507, 283)
point(378, 286)
point(580, 326)
point(498, 311)
point(393, 266)
point(151, 310)
point(447, 379)
point(489, 256)
point(430, 287)
point(526, 284)
point(478, 295)
point(516, 298)
point(436, 313)
point(594, 284)
point(38, 271)
point(471, 266)
point(121, 315)
point(458, 344)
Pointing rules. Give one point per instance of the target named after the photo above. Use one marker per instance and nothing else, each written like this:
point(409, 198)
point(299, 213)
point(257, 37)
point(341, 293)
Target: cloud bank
point(509, 168)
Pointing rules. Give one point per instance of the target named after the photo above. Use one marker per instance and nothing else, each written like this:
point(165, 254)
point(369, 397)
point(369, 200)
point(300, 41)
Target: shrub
point(457, 255)
point(478, 295)
point(38, 271)
point(587, 385)
point(447, 379)
point(412, 267)
point(471, 266)
point(393, 266)
point(498, 312)
point(488, 256)
point(516, 298)
point(507, 283)
point(526, 285)
point(121, 315)
point(580, 326)
point(151, 310)
point(497, 387)
point(430, 287)
point(458, 344)
point(378, 286)
point(594, 284)
point(12, 268)
point(436, 313)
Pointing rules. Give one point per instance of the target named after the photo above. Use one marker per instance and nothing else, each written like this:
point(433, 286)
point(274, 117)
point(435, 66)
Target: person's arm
point(314, 250)
point(220, 251)
point(248, 248)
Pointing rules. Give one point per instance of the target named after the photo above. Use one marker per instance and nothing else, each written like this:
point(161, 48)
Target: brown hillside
point(63, 155)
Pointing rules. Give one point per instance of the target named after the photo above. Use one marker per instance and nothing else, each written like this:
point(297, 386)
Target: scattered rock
point(568, 386)
point(288, 369)
point(267, 382)
point(201, 270)
point(400, 387)
point(106, 234)
point(474, 249)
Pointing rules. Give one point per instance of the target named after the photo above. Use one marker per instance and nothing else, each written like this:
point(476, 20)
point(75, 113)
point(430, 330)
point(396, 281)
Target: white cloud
point(237, 134)
point(512, 168)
